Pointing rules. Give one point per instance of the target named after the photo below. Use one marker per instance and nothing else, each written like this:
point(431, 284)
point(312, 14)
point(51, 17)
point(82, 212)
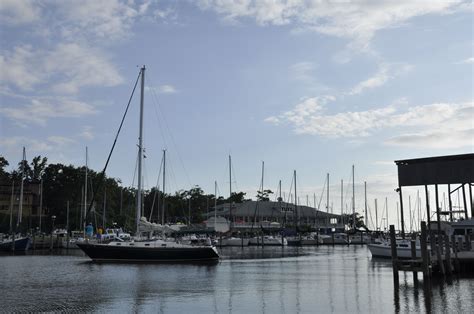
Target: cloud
point(435, 139)
point(64, 69)
point(467, 61)
point(14, 12)
point(87, 132)
point(358, 21)
point(35, 146)
point(302, 71)
point(310, 117)
point(40, 111)
point(384, 73)
point(167, 89)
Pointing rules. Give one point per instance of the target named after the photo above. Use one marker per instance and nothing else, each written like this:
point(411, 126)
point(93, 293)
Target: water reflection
point(250, 280)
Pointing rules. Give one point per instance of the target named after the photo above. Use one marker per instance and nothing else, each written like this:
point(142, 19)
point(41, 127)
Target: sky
point(311, 86)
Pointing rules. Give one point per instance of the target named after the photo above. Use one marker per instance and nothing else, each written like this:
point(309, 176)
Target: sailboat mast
point(20, 208)
point(12, 199)
point(353, 199)
point(164, 186)
point(342, 197)
point(327, 202)
point(85, 199)
point(365, 204)
point(215, 204)
point(140, 149)
point(230, 190)
point(296, 202)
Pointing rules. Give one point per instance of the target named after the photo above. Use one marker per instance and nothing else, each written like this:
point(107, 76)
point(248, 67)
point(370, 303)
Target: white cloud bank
point(434, 125)
point(356, 20)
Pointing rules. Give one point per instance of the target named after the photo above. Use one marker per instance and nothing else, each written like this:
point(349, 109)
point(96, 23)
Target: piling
point(393, 247)
point(438, 244)
point(455, 251)
point(413, 255)
point(447, 256)
point(424, 253)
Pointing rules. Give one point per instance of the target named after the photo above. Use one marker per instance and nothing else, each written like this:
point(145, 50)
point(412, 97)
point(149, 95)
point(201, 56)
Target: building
point(31, 202)
point(275, 214)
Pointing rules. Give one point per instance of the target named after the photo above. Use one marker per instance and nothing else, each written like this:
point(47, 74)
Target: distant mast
point(85, 199)
point(20, 208)
point(140, 151)
point(353, 200)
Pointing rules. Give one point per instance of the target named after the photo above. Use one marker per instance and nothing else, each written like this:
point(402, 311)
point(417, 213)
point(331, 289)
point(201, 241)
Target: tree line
point(64, 184)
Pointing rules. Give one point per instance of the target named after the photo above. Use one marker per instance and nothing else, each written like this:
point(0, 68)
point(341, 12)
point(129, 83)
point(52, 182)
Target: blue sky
point(311, 86)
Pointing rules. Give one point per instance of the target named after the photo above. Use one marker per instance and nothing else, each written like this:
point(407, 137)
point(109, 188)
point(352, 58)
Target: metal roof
point(453, 169)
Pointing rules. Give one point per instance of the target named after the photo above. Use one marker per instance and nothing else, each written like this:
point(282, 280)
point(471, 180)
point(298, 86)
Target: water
point(251, 280)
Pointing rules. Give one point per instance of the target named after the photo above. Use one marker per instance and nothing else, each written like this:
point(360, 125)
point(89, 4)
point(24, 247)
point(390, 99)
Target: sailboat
point(232, 241)
point(13, 243)
point(148, 250)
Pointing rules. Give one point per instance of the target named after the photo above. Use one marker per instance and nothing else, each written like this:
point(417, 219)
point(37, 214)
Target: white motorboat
point(383, 249)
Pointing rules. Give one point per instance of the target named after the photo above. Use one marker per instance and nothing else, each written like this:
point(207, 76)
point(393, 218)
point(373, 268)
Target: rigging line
point(157, 188)
point(172, 138)
point(160, 125)
point(102, 174)
point(235, 178)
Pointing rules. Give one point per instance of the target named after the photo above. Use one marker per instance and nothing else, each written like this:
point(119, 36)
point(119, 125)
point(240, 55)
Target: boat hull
point(385, 251)
point(234, 242)
point(110, 253)
point(21, 244)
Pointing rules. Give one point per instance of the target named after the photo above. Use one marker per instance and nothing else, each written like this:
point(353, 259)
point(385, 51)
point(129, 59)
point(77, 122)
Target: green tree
point(263, 196)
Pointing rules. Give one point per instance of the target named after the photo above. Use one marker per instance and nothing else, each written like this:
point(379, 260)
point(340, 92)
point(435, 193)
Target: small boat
point(311, 239)
point(358, 239)
point(234, 241)
point(383, 249)
point(21, 244)
point(335, 238)
point(268, 241)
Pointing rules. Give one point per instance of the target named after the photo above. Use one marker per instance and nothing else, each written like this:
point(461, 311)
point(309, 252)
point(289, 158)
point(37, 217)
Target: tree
point(4, 176)
point(263, 196)
point(237, 197)
point(38, 165)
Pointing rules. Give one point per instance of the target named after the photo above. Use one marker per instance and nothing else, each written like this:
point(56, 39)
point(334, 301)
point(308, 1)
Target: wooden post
point(424, 253)
point(263, 244)
point(438, 254)
point(447, 256)
point(428, 209)
point(450, 204)
point(455, 251)
point(393, 246)
point(438, 217)
point(413, 256)
point(472, 200)
point(464, 201)
point(401, 212)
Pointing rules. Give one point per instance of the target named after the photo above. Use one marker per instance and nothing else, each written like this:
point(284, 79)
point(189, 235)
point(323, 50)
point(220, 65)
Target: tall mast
point(140, 149)
point(20, 208)
point(230, 190)
point(85, 199)
point(296, 202)
point(376, 217)
point(327, 202)
point(164, 186)
point(353, 200)
point(41, 203)
point(215, 204)
point(12, 199)
point(342, 197)
point(365, 204)
point(386, 211)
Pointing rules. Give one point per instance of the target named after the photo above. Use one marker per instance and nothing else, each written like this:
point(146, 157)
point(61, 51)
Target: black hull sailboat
point(150, 251)
point(139, 252)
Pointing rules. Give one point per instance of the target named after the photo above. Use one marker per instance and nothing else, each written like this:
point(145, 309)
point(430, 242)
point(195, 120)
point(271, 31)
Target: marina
point(330, 279)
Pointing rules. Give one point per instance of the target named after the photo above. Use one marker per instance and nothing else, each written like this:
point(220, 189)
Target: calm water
point(250, 280)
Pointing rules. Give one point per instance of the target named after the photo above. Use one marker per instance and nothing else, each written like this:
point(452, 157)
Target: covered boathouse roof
point(452, 169)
